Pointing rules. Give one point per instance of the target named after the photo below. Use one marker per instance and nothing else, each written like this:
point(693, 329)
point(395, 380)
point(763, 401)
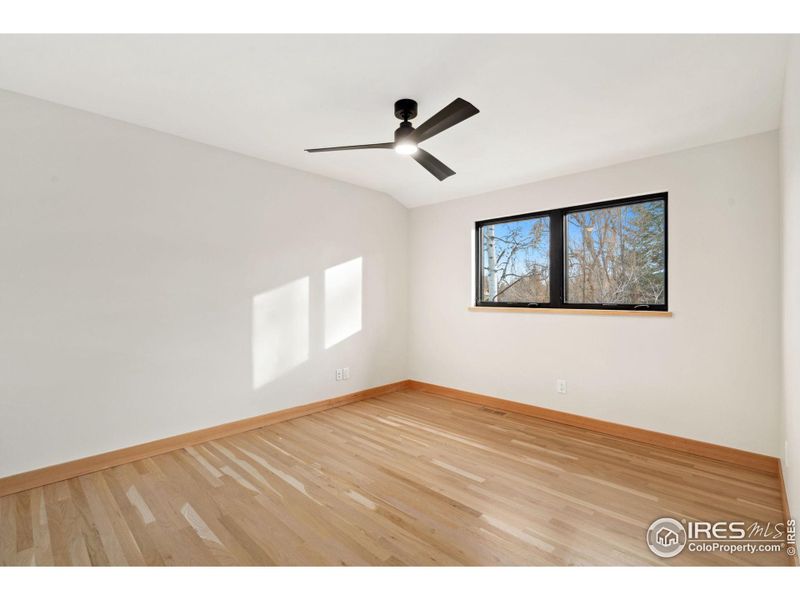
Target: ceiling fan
point(406, 138)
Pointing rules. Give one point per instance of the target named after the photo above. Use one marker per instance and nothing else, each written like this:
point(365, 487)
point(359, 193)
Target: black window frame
point(558, 237)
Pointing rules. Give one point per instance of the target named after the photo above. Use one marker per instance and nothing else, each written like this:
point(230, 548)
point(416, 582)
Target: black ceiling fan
point(406, 137)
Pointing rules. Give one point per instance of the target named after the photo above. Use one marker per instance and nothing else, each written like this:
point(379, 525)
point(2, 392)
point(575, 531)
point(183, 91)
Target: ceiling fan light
point(405, 148)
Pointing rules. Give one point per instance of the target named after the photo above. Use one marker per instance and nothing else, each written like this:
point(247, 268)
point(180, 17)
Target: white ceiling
point(550, 104)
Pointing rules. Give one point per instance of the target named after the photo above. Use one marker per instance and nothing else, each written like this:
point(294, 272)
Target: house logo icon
point(666, 537)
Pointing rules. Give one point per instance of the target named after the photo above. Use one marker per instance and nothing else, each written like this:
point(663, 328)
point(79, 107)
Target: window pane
point(615, 255)
point(516, 261)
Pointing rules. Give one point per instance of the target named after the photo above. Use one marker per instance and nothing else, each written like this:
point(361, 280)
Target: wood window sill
point(574, 311)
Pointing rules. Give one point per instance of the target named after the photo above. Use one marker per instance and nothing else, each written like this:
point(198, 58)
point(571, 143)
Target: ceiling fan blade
point(452, 114)
point(434, 166)
point(387, 145)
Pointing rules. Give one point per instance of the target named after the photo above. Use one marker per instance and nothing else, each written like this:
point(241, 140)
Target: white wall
point(152, 286)
point(790, 180)
point(148, 283)
point(711, 372)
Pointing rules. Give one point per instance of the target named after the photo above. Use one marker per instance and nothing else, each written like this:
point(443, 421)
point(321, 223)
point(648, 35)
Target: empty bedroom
point(449, 299)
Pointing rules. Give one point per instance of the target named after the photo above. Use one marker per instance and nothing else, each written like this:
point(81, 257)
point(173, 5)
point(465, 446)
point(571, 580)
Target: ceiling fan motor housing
point(403, 131)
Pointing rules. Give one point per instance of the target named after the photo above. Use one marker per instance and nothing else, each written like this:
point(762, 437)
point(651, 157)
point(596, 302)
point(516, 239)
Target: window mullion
point(557, 258)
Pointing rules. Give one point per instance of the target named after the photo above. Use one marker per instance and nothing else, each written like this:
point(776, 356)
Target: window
point(516, 262)
point(609, 255)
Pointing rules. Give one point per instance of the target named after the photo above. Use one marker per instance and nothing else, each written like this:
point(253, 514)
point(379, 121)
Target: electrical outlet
point(339, 374)
point(561, 386)
point(346, 373)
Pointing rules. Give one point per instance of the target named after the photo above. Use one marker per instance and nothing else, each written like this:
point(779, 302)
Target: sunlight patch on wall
point(280, 331)
point(342, 301)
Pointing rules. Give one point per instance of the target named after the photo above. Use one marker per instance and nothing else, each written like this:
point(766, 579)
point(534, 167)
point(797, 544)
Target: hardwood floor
point(404, 479)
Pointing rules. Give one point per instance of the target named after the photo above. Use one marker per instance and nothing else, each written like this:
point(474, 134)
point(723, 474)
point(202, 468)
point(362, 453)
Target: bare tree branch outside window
point(517, 261)
point(616, 255)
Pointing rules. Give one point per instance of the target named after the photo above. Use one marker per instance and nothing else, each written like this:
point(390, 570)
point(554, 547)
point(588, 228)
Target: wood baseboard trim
point(52, 474)
point(742, 458)
point(82, 466)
